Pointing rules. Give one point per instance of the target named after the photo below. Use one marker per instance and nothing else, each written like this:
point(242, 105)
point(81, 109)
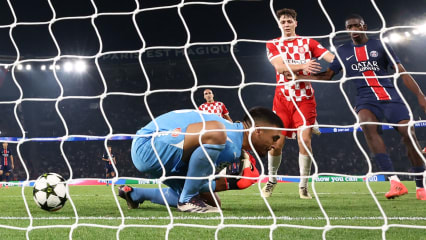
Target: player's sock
point(199, 166)
point(154, 195)
point(273, 166)
point(205, 187)
point(7, 178)
point(305, 164)
point(384, 162)
point(419, 179)
point(394, 178)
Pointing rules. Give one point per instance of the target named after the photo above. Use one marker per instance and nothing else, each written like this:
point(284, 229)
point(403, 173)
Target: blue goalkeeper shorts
point(169, 148)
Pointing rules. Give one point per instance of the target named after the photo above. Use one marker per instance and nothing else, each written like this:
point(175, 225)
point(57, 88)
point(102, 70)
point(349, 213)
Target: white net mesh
point(104, 69)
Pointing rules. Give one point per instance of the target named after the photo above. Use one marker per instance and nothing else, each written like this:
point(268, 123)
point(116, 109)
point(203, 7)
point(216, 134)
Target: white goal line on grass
point(287, 218)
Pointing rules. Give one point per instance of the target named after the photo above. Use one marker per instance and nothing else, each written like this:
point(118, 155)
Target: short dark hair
point(287, 11)
point(262, 114)
point(354, 16)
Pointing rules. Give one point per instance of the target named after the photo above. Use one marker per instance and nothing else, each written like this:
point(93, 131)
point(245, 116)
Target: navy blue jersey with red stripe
point(5, 159)
point(105, 156)
point(368, 61)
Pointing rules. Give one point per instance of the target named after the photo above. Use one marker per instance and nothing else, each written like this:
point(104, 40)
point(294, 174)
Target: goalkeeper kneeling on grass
point(246, 174)
point(188, 146)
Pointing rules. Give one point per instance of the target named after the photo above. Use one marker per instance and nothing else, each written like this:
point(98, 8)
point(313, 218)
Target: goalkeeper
point(246, 168)
point(174, 145)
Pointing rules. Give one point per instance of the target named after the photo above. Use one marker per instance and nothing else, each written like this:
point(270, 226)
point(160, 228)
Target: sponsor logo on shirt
point(291, 61)
point(176, 132)
point(365, 66)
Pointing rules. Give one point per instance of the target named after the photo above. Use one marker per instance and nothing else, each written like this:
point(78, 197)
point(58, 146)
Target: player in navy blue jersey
point(366, 61)
point(109, 170)
point(189, 143)
point(6, 163)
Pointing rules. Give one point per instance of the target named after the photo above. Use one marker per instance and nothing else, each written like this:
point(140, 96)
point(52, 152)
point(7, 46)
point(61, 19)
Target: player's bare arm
point(312, 66)
point(329, 57)
point(327, 75)
point(412, 85)
point(227, 117)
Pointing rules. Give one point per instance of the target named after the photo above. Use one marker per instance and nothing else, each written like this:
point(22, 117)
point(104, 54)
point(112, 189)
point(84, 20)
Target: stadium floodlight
point(80, 66)
point(28, 67)
point(422, 28)
point(407, 34)
point(43, 67)
point(68, 67)
point(395, 37)
point(58, 67)
point(50, 67)
point(20, 67)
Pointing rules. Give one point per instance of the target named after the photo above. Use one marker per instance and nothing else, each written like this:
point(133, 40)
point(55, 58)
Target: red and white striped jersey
point(215, 107)
point(295, 51)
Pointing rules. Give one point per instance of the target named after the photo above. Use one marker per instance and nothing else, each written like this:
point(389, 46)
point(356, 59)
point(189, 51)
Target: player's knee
point(306, 140)
point(370, 132)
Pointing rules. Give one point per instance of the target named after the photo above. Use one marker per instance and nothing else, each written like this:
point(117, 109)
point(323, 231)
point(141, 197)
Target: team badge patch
point(302, 50)
point(374, 54)
point(176, 132)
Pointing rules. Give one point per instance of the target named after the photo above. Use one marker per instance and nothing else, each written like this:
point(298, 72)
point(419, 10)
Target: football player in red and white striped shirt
point(212, 106)
point(300, 54)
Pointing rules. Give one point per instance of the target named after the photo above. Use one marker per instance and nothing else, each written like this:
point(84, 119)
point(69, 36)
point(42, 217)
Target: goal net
point(77, 77)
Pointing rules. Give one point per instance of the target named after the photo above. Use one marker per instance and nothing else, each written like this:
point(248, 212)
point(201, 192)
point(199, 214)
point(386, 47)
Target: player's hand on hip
point(312, 66)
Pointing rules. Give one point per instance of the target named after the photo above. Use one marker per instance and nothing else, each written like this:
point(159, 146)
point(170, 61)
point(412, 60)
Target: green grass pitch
point(349, 208)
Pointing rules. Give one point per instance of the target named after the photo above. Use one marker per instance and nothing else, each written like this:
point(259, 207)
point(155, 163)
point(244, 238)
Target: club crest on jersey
point(302, 50)
point(176, 132)
point(374, 54)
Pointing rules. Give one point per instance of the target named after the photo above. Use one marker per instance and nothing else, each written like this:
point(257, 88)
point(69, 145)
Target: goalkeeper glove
point(248, 169)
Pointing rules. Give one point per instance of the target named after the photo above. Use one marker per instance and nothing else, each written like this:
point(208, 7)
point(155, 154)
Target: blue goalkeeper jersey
point(176, 122)
point(368, 61)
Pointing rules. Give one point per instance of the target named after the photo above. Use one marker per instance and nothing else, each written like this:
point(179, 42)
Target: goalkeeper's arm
point(248, 169)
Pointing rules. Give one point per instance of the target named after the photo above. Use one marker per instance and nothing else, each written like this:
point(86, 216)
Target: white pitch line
point(227, 194)
point(286, 218)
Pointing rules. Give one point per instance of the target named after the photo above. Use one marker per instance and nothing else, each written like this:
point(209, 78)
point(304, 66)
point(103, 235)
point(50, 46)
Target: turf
point(351, 213)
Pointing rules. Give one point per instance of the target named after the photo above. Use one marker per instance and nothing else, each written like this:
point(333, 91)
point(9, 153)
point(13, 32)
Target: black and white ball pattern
point(50, 192)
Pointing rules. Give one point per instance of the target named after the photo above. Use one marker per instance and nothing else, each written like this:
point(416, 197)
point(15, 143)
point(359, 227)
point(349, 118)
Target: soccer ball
point(50, 192)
